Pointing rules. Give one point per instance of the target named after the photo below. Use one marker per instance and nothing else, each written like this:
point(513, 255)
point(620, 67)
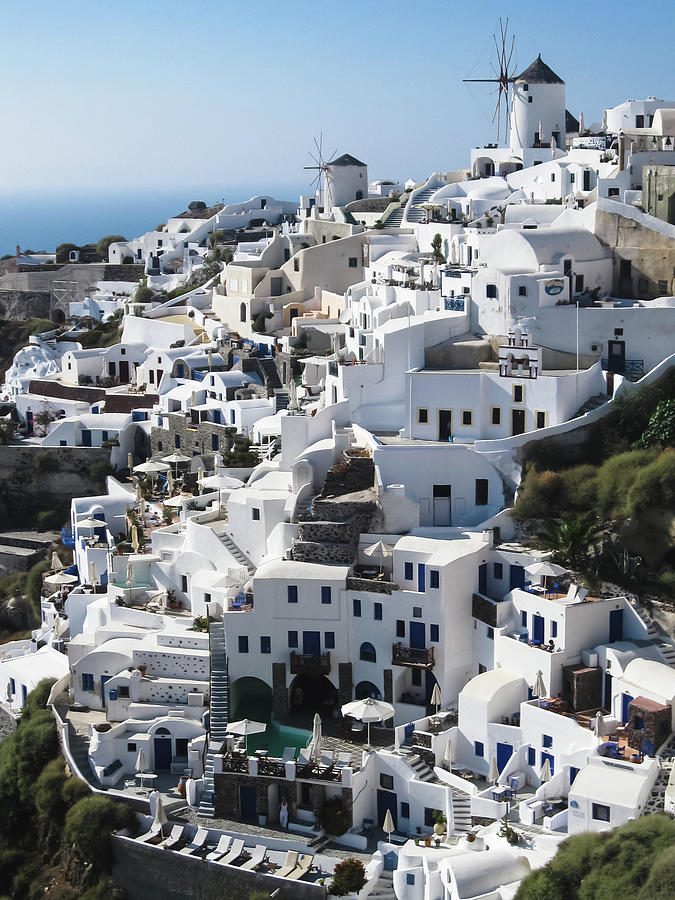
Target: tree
point(143, 293)
point(89, 825)
point(105, 242)
point(348, 876)
point(570, 538)
point(63, 251)
point(661, 427)
point(437, 249)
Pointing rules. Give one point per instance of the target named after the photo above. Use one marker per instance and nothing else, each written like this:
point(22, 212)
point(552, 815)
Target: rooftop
point(538, 73)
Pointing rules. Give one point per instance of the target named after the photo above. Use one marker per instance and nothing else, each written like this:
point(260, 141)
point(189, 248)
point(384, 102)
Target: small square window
point(377, 611)
point(326, 593)
point(405, 810)
point(490, 633)
point(498, 571)
point(357, 607)
point(618, 332)
point(522, 291)
point(478, 748)
point(434, 634)
point(292, 593)
point(131, 747)
point(546, 740)
point(400, 628)
point(529, 99)
point(255, 514)
point(292, 639)
point(467, 417)
point(265, 643)
point(123, 692)
point(410, 876)
point(600, 812)
point(434, 578)
point(329, 640)
point(243, 643)
point(387, 782)
point(417, 612)
point(408, 571)
point(422, 416)
point(353, 262)
point(491, 291)
point(496, 415)
point(518, 393)
point(541, 420)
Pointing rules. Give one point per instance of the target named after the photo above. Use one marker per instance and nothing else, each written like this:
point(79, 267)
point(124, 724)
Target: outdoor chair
point(344, 759)
point(288, 754)
point(221, 848)
point(327, 759)
point(176, 836)
point(303, 867)
point(149, 836)
point(235, 852)
point(196, 843)
point(289, 864)
point(304, 757)
point(258, 856)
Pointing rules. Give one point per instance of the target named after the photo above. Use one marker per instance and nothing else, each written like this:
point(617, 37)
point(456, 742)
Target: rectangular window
point(265, 643)
point(408, 571)
point(183, 583)
point(638, 723)
point(410, 878)
point(434, 578)
point(400, 628)
point(600, 812)
point(478, 748)
point(377, 611)
point(329, 640)
point(663, 287)
point(481, 491)
point(326, 597)
point(131, 747)
point(490, 633)
point(405, 810)
point(243, 643)
point(572, 178)
point(639, 123)
point(255, 514)
point(531, 756)
point(87, 682)
point(467, 417)
point(496, 415)
point(613, 192)
point(491, 290)
point(429, 820)
point(357, 607)
point(353, 262)
point(296, 265)
point(416, 678)
point(578, 283)
point(422, 416)
point(176, 441)
point(523, 618)
point(546, 740)
point(434, 634)
point(387, 782)
point(417, 612)
point(498, 571)
point(292, 593)
point(518, 393)
point(554, 629)
point(292, 640)
point(123, 692)
point(522, 291)
point(541, 419)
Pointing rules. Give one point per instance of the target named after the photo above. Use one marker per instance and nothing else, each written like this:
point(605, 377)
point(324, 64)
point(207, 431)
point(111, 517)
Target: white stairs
point(461, 811)
point(238, 554)
point(419, 215)
point(417, 764)
point(218, 713)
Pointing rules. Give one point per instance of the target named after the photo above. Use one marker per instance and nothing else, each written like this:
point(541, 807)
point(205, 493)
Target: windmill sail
point(503, 75)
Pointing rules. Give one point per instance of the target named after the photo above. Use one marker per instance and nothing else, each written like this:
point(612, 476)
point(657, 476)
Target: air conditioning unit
point(590, 658)
point(596, 348)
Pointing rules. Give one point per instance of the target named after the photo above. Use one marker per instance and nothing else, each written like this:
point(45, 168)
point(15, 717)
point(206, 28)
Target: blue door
point(162, 754)
point(180, 370)
point(247, 804)
point(573, 774)
point(615, 625)
point(608, 692)
point(421, 577)
point(104, 678)
point(504, 752)
point(386, 800)
point(86, 437)
point(482, 578)
point(547, 756)
point(417, 636)
point(311, 643)
point(538, 629)
point(516, 577)
point(626, 700)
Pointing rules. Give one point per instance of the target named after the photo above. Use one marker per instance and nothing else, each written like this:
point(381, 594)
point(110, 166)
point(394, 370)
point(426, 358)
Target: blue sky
point(106, 97)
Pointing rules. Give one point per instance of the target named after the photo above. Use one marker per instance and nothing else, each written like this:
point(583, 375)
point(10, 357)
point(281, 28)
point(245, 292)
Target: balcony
point(310, 664)
point(412, 657)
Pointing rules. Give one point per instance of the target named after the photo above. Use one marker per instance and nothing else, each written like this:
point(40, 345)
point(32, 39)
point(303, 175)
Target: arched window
point(242, 312)
point(366, 689)
point(162, 730)
point(368, 653)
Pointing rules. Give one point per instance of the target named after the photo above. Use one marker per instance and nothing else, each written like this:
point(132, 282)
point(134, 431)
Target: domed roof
point(538, 73)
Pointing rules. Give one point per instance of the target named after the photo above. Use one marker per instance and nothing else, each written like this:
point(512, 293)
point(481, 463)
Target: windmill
point(504, 74)
point(321, 166)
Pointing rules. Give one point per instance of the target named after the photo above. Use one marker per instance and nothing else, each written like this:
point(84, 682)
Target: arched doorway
point(309, 694)
point(162, 748)
point(250, 698)
point(367, 689)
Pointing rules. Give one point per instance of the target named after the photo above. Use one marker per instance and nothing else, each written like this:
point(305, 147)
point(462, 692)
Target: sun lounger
point(197, 842)
point(344, 759)
point(235, 853)
point(304, 757)
point(327, 759)
point(149, 836)
point(258, 856)
point(221, 847)
point(176, 836)
point(290, 863)
point(302, 868)
point(289, 754)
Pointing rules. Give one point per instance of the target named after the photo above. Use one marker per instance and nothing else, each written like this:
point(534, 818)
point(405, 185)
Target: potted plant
point(440, 821)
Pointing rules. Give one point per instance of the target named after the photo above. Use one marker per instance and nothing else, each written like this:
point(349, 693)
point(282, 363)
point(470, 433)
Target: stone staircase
point(79, 748)
point(218, 713)
point(238, 554)
point(419, 215)
point(384, 887)
point(422, 771)
point(269, 372)
point(592, 403)
point(395, 218)
point(281, 399)
point(663, 645)
point(461, 811)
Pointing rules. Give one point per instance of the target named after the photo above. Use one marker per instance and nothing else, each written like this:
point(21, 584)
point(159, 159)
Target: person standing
point(283, 814)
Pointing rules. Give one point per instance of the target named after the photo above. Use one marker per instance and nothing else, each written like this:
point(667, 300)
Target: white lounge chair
point(149, 836)
point(304, 757)
point(302, 868)
point(344, 759)
point(289, 754)
point(221, 848)
point(234, 853)
point(327, 759)
point(176, 836)
point(290, 863)
point(196, 843)
point(258, 856)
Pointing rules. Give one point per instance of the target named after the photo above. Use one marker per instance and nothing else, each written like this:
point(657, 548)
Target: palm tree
point(570, 539)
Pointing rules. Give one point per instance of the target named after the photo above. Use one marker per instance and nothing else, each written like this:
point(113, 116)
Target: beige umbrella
point(436, 697)
point(388, 824)
point(131, 580)
point(92, 572)
point(141, 764)
point(135, 543)
point(160, 819)
point(151, 467)
point(545, 771)
point(130, 461)
point(448, 755)
point(90, 522)
point(379, 550)
point(493, 774)
point(539, 688)
point(175, 459)
point(599, 724)
point(139, 493)
point(316, 735)
point(246, 727)
point(57, 565)
point(178, 500)
point(169, 481)
point(60, 578)
point(368, 710)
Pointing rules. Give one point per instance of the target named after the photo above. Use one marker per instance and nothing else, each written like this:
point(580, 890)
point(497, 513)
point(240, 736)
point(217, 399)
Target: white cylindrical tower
point(346, 180)
point(537, 107)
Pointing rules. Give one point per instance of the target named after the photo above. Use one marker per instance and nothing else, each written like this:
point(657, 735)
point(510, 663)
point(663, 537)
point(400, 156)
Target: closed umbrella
point(141, 764)
point(448, 755)
point(246, 727)
point(139, 493)
point(160, 819)
point(545, 771)
point(93, 576)
point(436, 697)
point(57, 565)
point(130, 461)
point(493, 774)
point(539, 688)
point(316, 735)
point(130, 575)
point(388, 824)
point(368, 710)
point(135, 543)
point(599, 723)
point(169, 481)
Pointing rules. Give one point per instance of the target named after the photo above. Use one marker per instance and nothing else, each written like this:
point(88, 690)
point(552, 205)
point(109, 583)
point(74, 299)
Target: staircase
point(384, 887)
point(79, 748)
point(218, 713)
point(269, 372)
point(281, 399)
point(662, 644)
point(592, 403)
point(422, 771)
point(461, 811)
point(238, 554)
point(419, 215)
point(395, 218)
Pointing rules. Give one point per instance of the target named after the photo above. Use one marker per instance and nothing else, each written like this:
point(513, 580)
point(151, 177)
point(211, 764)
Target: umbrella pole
point(368, 736)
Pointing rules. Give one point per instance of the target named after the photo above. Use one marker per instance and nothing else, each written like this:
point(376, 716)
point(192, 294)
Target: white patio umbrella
point(379, 550)
point(61, 578)
point(92, 572)
point(545, 771)
point(599, 725)
point(57, 565)
point(436, 697)
point(90, 522)
point(448, 754)
point(547, 569)
point(316, 735)
point(368, 710)
point(151, 467)
point(246, 727)
point(221, 482)
point(178, 500)
point(388, 824)
point(493, 774)
point(176, 458)
point(160, 819)
point(141, 764)
point(539, 688)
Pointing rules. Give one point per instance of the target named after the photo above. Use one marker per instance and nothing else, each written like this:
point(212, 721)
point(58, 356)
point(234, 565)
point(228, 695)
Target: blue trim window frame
point(329, 640)
point(357, 607)
point(292, 593)
point(531, 756)
point(377, 611)
point(87, 681)
point(265, 643)
point(292, 640)
point(554, 629)
point(243, 643)
point(326, 595)
point(546, 740)
point(434, 579)
point(523, 618)
point(434, 634)
point(408, 571)
point(478, 748)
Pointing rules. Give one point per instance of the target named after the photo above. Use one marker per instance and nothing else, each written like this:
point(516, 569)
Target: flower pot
point(439, 828)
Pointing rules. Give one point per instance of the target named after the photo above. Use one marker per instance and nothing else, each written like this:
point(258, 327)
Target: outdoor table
point(150, 777)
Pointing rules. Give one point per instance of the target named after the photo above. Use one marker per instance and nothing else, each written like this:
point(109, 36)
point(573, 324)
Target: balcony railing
point(413, 657)
point(310, 664)
point(631, 369)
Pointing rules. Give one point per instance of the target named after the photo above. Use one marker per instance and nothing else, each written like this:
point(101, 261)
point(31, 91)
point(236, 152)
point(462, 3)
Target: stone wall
point(142, 871)
point(655, 721)
point(649, 252)
point(21, 305)
point(192, 437)
point(307, 551)
point(177, 665)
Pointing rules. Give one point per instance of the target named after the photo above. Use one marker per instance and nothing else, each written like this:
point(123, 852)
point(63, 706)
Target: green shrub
point(44, 462)
point(89, 825)
point(63, 250)
point(48, 792)
point(538, 495)
point(333, 817)
point(579, 489)
point(654, 485)
point(348, 876)
point(615, 477)
point(105, 242)
point(49, 520)
point(660, 430)
point(99, 470)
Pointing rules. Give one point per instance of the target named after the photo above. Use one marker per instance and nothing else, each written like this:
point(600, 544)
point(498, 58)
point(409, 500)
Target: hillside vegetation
point(14, 336)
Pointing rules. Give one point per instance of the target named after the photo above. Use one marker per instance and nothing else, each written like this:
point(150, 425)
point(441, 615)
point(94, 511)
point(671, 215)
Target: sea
point(42, 220)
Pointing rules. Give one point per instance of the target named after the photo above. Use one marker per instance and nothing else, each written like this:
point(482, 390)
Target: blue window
point(498, 571)
point(554, 629)
point(410, 878)
point(326, 594)
point(329, 640)
point(243, 643)
point(490, 633)
point(523, 619)
point(265, 643)
point(292, 593)
point(405, 810)
point(87, 682)
point(292, 639)
point(433, 634)
point(12, 685)
point(478, 748)
point(531, 756)
point(377, 611)
point(367, 652)
point(434, 578)
point(408, 571)
point(546, 740)
point(357, 607)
